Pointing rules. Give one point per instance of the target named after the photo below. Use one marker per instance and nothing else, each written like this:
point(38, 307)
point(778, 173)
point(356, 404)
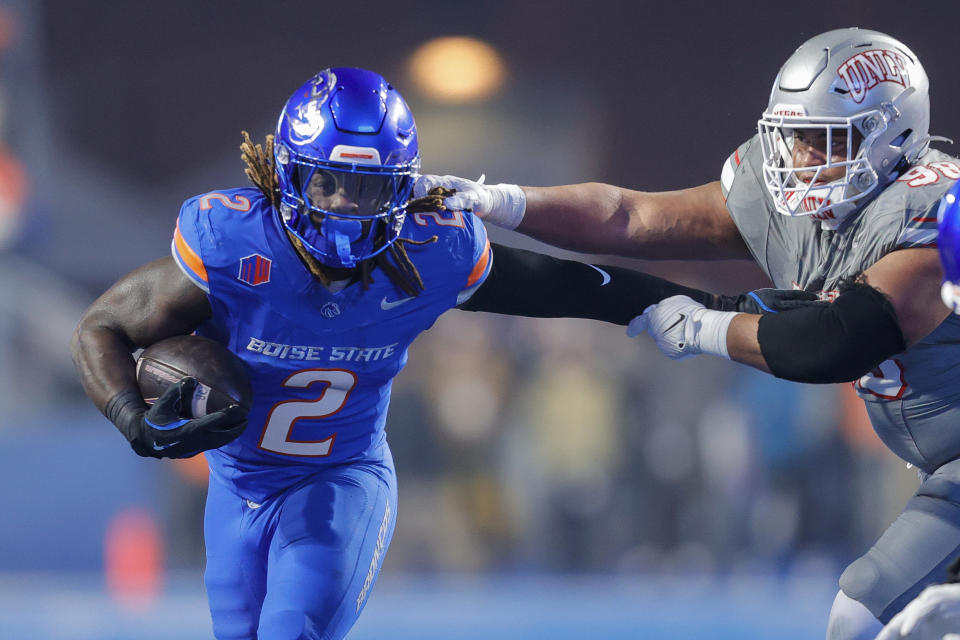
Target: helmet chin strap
point(343, 250)
point(918, 147)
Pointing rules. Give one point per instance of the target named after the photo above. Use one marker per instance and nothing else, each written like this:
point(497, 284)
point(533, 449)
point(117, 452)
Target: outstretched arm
point(601, 218)
point(525, 283)
point(908, 302)
point(895, 305)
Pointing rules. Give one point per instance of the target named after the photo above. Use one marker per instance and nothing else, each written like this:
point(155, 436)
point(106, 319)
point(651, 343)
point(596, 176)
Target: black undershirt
point(524, 283)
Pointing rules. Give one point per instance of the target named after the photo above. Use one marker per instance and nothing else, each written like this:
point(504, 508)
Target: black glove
point(763, 301)
point(160, 431)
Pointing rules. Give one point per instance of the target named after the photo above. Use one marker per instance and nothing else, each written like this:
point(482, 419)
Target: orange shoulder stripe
point(188, 255)
point(480, 267)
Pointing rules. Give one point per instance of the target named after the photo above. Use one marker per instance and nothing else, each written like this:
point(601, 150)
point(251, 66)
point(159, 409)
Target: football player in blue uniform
point(319, 277)
point(948, 244)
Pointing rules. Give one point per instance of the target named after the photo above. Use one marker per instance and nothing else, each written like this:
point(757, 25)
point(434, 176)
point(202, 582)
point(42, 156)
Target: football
point(221, 375)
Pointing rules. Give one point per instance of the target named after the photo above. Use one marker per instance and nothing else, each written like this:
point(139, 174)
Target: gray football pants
point(914, 551)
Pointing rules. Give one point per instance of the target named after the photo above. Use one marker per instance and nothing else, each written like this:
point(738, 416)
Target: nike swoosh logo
point(682, 317)
point(386, 305)
point(606, 276)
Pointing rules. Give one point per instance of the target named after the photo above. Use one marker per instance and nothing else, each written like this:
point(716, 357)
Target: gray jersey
point(914, 398)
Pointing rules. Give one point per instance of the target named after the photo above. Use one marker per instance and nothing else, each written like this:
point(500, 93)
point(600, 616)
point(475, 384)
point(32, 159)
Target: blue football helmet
point(346, 158)
point(948, 243)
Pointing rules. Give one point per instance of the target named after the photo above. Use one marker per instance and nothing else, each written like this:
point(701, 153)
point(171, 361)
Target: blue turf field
point(61, 607)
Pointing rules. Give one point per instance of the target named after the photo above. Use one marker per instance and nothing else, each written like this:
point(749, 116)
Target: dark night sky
point(153, 94)
point(154, 87)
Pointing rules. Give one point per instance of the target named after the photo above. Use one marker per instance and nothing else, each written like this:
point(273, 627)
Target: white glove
point(932, 615)
point(683, 328)
point(499, 204)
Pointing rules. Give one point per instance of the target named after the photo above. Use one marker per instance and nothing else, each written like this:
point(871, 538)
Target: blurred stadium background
point(555, 478)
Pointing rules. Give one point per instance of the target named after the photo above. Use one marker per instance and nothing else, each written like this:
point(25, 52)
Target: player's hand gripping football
point(500, 204)
point(160, 431)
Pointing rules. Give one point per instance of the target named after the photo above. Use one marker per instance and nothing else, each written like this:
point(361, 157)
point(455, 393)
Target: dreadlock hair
point(394, 261)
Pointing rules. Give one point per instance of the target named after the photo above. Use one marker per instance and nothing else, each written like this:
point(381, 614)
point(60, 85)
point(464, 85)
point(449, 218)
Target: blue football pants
point(302, 564)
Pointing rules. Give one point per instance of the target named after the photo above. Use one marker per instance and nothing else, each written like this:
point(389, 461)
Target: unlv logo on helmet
point(867, 69)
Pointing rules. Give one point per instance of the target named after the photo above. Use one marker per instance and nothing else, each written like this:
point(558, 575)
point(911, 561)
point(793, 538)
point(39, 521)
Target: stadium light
point(457, 69)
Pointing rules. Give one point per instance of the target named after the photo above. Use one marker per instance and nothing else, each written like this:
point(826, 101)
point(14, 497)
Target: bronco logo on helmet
point(309, 121)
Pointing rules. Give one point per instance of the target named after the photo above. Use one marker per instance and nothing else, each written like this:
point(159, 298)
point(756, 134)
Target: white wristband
point(711, 330)
point(508, 204)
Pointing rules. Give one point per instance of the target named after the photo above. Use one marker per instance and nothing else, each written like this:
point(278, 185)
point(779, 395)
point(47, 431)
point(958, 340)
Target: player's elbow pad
point(839, 342)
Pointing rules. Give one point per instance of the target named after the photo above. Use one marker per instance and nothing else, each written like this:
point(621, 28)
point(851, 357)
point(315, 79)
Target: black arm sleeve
point(524, 283)
point(835, 343)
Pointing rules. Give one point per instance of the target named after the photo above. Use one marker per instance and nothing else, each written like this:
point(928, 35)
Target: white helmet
point(844, 85)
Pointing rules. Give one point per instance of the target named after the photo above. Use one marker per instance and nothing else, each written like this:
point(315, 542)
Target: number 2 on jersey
point(241, 204)
point(277, 432)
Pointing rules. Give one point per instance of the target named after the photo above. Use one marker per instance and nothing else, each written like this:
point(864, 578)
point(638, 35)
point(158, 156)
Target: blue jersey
point(321, 362)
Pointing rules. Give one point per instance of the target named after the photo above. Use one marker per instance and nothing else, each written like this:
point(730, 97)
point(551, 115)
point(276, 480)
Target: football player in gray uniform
point(837, 194)
point(935, 613)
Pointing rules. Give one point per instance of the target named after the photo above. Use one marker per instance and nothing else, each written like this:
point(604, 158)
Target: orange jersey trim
point(480, 267)
point(188, 255)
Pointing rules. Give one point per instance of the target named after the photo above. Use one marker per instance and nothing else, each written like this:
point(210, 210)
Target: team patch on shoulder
point(255, 269)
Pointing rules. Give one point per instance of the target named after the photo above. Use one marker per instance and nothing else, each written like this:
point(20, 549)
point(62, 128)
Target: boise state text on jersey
point(321, 360)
